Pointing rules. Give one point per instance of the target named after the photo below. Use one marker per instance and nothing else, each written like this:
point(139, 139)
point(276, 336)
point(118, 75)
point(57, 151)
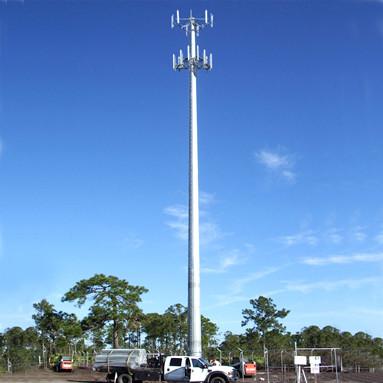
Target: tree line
point(114, 319)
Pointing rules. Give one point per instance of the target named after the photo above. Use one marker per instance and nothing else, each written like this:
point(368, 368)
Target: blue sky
point(93, 156)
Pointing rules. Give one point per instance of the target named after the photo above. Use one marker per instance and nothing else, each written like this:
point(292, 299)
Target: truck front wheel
point(125, 378)
point(218, 379)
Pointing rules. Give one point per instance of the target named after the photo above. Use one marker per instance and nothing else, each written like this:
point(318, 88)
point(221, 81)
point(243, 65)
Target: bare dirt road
point(48, 376)
point(87, 376)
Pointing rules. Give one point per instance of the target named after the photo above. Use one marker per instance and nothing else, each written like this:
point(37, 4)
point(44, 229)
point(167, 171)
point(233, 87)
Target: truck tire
point(218, 379)
point(125, 378)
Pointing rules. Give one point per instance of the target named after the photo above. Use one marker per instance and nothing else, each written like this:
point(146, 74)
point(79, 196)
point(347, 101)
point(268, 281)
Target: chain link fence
point(23, 360)
point(337, 365)
point(273, 366)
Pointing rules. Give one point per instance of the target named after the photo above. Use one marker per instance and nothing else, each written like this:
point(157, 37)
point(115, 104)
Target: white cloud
point(272, 160)
point(9, 1)
point(180, 228)
point(236, 290)
point(250, 248)
point(367, 311)
point(343, 259)
point(304, 287)
point(206, 198)
point(289, 175)
point(179, 222)
point(343, 313)
point(177, 211)
point(307, 237)
point(209, 230)
point(358, 234)
point(239, 284)
point(379, 238)
point(224, 264)
point(133, 241)
point(333, 235)
point(227, 299)
point(1, 243)
point(282, 164)
point(226, 259)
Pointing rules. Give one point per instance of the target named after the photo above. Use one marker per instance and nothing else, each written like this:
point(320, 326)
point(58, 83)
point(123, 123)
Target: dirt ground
point(48, 376)
point(87, 376)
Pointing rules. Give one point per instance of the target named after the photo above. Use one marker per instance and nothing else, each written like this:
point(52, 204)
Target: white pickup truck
point(192, 369)
point(136, 366)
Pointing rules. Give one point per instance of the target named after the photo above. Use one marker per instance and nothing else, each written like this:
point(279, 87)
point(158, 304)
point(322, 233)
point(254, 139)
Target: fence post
point(241, 366)
point(9, 366)
point(220, 355)
point(336, 365)
point(266, 360)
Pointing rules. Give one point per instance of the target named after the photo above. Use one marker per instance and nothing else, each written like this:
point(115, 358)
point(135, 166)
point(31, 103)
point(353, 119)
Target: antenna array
point(192, 60)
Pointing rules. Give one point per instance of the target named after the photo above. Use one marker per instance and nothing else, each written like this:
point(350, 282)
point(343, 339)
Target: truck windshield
point(198, 363)
point(204, 362)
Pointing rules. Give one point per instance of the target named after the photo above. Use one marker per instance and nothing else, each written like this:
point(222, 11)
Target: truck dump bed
point(113, 359)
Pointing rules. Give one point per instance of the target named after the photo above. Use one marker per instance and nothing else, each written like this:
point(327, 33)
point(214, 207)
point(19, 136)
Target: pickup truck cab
point(192, 369)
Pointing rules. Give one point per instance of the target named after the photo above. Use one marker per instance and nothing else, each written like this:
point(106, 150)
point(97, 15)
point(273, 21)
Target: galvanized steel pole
point(194, 307)
point(192, 62)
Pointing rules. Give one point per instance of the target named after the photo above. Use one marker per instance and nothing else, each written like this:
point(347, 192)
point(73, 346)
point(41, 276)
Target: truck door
point(198, 371)
point(174, 371)
point(188, 369)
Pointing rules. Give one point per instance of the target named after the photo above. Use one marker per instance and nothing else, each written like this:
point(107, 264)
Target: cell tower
point(193, 61)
